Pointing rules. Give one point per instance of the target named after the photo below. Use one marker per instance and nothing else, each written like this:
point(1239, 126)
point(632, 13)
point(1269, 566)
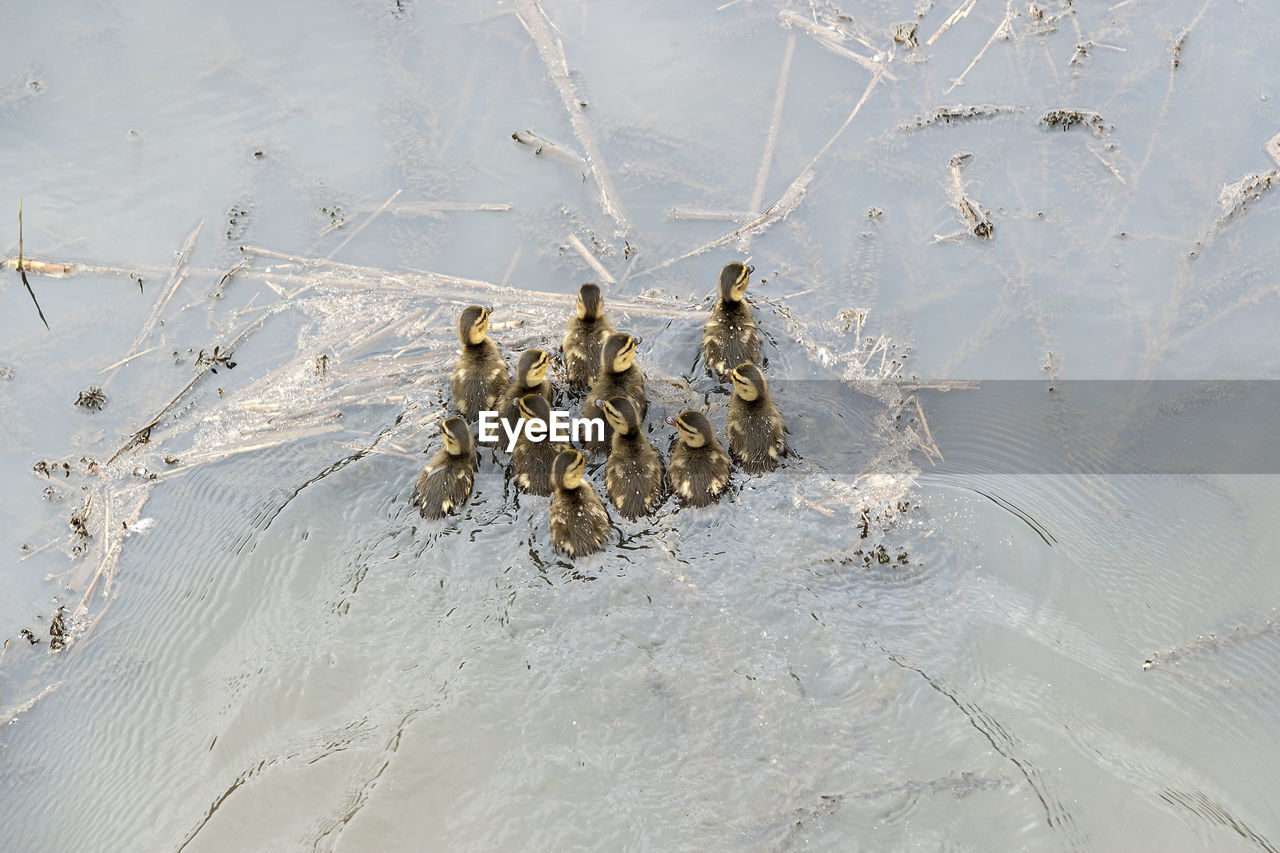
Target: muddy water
point(285, 657)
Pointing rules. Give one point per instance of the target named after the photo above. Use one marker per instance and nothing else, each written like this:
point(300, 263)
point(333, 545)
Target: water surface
point(282, 655)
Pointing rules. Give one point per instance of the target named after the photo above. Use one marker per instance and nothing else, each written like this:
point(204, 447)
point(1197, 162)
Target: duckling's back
point(699, 475)
point(756, 439)
point(607, 385)
point(444, 484)
point(579, 522)
point(531, 463)
point(582, 344)
point(634, 475)
point(480, 378)
point(730, 337)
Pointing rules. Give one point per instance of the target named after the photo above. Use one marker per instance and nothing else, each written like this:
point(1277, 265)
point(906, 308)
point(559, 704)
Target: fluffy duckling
point(531, 461)
point(754, 425)
point(579, 522)
point(619, 376)
point(633, 475)
point(445, 483)
point(585, 337)
point(481, 374)
point(699, 469)
point(531, 378)
point(730, 336)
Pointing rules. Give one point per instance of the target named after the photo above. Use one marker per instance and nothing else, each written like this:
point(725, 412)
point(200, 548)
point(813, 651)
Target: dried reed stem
point(956, 17)
point(592, 260)
point(1003, 28)
point(696, 215)
point(365, 224)
point(537, 23)
point(784, 206)
point(541, 145)
point(18, 710)
point(176, 277)
point(830, 40)
point(771, 141)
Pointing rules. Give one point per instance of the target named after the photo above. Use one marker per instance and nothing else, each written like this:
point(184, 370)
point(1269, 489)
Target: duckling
point(585, 337)
point(754, 425)
point(445, 483)
point(531, 378)
point(699, 469)
point(531, 461)
point(730, 336)
point(579, 521)
point(633, 475)
point(618, 377)
point(481, 374)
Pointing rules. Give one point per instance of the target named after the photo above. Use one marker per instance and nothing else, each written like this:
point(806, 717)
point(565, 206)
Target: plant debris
point(1175, 50)
point(978, 220)
point(1234, 199)
point(92, 397)
point(958, 112)
point(336, 217)
point(22, 272)
point(218, 357)
point(58, 631)
point(238, 220)
point(29, 636)
point(48, 469)
point(80, 519)
point(1067, 119)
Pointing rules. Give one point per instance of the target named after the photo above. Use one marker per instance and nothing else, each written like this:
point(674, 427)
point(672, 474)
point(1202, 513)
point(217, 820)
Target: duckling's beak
point(599, 404)
point(671, 421)
point(750, 269)
point(637, 340)
point(488, 309)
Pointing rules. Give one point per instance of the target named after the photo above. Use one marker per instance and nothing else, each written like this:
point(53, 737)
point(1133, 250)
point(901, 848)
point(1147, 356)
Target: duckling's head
point(748, 382)
point(590, 304)
point(532, 368)
point(733, 281)
point(694, 428)
point(621, 413)
point(534, 407)
point(566, 471)
point(619, 352)
point(457, 437)
point(473, 324)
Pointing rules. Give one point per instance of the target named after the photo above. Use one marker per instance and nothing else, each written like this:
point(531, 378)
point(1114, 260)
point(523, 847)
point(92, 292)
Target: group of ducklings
point(601, 362)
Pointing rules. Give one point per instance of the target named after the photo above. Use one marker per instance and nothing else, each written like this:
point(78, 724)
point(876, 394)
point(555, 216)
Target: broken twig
point(23, 273)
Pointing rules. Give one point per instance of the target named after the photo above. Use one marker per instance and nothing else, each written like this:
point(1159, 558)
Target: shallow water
point(286, 657)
